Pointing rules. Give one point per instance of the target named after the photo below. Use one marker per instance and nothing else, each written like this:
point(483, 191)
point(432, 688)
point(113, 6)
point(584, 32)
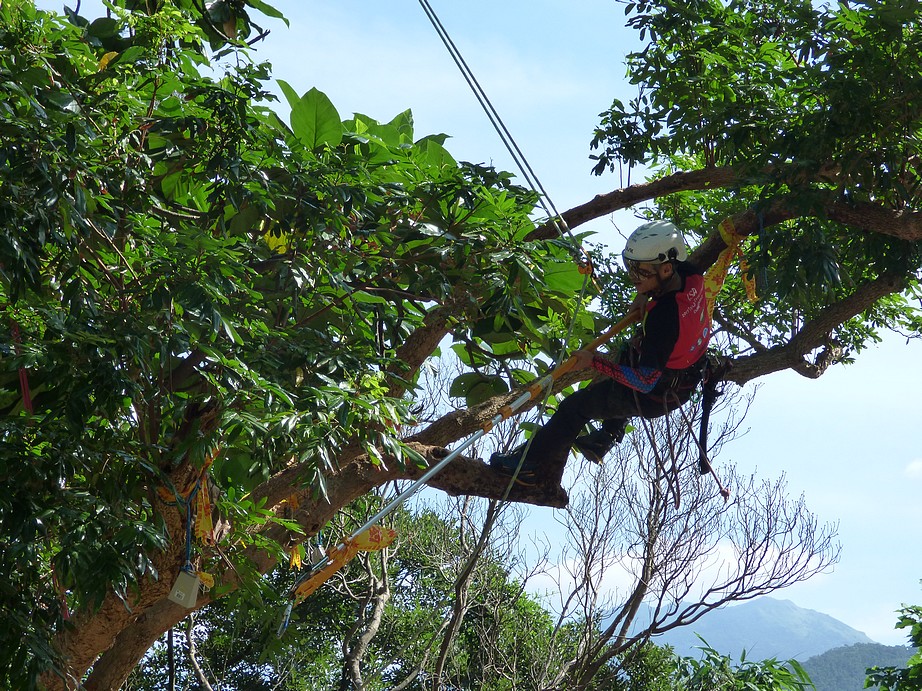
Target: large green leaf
point(476, 388)
point(564, 277)
point(433, 155)
point(404, 123)
point(314, 118)
point(268, 10)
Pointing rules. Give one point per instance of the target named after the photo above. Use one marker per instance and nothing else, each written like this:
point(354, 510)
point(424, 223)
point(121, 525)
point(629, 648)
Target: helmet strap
point(664, 285)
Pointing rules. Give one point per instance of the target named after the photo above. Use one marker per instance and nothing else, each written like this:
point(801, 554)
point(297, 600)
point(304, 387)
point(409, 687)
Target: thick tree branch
point(814, 334)
point(604, 204)
point(875, 218)
point(867, 216)
point(109, 671)
point(419, 346)
point(113, 622)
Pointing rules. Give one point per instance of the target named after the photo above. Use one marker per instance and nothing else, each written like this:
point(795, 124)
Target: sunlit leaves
point(314, 119)
point(751, 84)
point(195, 281)
point(908, 678)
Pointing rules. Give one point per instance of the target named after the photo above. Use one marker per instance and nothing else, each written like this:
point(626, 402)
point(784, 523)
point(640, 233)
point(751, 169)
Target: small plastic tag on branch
point(185, 589)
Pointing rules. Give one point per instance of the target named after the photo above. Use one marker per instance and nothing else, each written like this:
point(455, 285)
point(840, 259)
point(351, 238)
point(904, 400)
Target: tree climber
point(655, 374)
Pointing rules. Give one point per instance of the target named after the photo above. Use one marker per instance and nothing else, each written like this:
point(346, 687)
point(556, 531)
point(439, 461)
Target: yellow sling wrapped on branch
point(717, 274)
point(371, 540)
point(204, 527)
point(294, 557)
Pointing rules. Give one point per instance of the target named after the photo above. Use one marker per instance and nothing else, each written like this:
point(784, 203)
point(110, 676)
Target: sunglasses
point(637, 272)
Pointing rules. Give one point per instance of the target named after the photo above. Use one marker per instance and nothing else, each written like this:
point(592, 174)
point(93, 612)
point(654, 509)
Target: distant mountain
point(845, 669)
point(764, 628)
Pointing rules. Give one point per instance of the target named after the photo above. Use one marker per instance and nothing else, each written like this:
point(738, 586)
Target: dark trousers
point(605, 400)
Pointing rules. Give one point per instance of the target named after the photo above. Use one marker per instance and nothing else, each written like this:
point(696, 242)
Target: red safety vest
point(694, 324)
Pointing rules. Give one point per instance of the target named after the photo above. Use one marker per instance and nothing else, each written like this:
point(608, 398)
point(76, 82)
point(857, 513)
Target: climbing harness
point(714, 370)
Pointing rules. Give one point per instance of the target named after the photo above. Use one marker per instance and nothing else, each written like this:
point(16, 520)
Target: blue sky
point(849, 442)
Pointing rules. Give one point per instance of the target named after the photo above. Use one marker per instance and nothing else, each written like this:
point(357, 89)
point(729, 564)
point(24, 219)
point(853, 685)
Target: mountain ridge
point(765, 628)
point(845, 668)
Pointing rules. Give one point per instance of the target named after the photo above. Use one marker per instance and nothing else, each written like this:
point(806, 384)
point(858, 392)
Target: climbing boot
point(595, 445)
point(507, 463)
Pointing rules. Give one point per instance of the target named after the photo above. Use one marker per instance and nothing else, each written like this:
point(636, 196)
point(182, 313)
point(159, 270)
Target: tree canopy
point(218, 306)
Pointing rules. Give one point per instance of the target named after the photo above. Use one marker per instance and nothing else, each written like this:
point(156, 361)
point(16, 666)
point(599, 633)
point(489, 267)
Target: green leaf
point(128, 56)
point(564, 278)
point(431, 155)
point(267, 10)
point(104, 27)
point(464, 383)
point(231, 332)
point(64, 101)
point(463, 353)
point(476, 388)
point(485, 390)
point(314, 118)
point(245, 220)
point(404, 124)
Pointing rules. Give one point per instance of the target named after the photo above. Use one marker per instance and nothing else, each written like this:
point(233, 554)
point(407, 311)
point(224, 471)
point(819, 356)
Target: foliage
point(716, 671)
point(648, 667)
point(806, 103)
point(188, 280)
point(236, 644)
point(769, 83)
point(845, 668)
point(908, 678)
point(506, 636)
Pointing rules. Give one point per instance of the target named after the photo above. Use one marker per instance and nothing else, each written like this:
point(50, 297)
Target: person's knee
point(575, 407)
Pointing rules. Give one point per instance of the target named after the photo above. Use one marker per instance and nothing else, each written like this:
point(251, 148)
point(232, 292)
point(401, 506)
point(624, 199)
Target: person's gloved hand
point(582, 359)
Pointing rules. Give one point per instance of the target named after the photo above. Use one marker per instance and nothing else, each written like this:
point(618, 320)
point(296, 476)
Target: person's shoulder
point(686, 269)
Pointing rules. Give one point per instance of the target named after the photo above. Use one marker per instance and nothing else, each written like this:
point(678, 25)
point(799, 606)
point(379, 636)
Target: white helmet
point(655, 242)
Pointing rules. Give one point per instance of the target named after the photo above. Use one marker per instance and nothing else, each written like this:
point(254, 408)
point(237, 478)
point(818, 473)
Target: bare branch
point(193, 656)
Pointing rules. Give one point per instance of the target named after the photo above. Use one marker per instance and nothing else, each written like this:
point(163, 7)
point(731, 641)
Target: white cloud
point(914, 469)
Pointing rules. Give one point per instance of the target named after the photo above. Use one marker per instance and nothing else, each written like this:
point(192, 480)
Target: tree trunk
point(369, 623)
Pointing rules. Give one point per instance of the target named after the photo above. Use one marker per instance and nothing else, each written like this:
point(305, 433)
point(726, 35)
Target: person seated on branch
point(655, 375)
